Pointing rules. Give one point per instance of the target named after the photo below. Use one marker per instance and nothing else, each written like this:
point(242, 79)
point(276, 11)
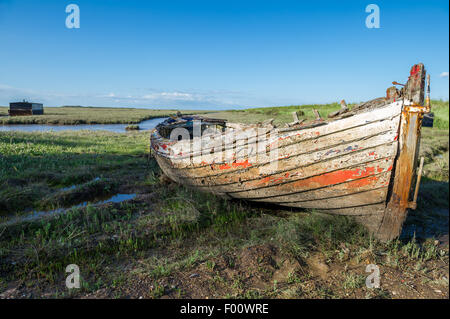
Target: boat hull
point(343, 167)
point(361, 165)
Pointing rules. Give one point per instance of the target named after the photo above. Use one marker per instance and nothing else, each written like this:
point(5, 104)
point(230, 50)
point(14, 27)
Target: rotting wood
point(345, 154)
point(296, 121)
point(405, 165)
point(314, 139)
point(267, 122)
point(317, 115)
point(344, 109)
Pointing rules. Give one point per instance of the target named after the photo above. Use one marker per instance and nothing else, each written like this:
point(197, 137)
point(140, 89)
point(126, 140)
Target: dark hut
point(25, 108)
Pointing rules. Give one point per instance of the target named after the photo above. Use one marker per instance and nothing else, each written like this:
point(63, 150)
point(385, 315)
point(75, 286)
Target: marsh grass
point(283, 114)
point(440, 109)
point(280, 114)
point(353, 281)
point(299, 235)
point(132, 128)
point(70, 115)
point(186, 234)
point(34, 167)
point(169, 229)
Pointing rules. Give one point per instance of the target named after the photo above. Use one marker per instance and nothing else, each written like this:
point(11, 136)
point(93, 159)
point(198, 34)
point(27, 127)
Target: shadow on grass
point(36, 184)
point(39, 139)
point(430, 219)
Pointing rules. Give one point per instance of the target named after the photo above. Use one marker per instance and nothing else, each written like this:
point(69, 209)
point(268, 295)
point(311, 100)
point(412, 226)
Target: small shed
point(25, 108)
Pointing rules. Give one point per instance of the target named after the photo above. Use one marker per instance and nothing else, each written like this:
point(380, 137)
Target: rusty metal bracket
point(416, 108)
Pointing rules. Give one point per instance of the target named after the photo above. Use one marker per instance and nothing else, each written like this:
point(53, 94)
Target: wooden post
point(406, 162)
point(295, 116)
point(317, 114)
point(416, 191)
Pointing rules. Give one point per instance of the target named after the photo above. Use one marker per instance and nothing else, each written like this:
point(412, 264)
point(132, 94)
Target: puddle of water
point(68, 188)
point(117, 128)
point(118, 198)
point(64, 189)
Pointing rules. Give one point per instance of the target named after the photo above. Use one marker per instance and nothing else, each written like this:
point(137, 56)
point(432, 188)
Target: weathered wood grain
point(405, 166)
point(163, 146)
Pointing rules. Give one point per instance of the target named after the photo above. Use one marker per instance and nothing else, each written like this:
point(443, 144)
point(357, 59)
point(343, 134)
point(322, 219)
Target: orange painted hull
point(342, 165)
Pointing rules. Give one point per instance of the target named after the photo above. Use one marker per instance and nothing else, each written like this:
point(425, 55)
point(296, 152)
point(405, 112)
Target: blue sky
point(216, 54)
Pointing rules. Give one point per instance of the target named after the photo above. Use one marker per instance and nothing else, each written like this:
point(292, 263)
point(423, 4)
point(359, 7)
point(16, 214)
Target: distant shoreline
point(86, 116)
point(77, 115)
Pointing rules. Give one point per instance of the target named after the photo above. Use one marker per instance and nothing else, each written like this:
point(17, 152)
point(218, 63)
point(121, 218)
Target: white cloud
point(171, 96)
point(136, 98)
point(144, 97)
point(5, 87)
point(444, 75)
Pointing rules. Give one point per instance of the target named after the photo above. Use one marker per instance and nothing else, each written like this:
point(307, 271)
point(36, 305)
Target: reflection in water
point(117, 128)
point(118, 198)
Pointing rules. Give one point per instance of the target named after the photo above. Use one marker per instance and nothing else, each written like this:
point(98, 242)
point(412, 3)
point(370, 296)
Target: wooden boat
point(360, 162)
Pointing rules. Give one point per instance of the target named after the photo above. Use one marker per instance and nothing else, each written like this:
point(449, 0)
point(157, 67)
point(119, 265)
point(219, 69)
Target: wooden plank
point(365, 212)
point(351, 200)
point(163, 147)
point(348, 187)
point(295, 168)
point(312, 177)
point(290, 156)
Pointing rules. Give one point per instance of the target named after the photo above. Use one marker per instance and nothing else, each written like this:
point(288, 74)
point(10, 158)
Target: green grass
point(353, 281)
point(440, 109)
point(132, 128)
point(283, 114)
point(35, 166)
point(280, 114)
point(100, 240)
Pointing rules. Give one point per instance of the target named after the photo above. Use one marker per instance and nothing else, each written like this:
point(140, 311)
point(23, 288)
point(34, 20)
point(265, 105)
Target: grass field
point(33, 166)
point(94, 115)
point(173, 242)
point(283, 114)
point(441, 113)
point(86, 115)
